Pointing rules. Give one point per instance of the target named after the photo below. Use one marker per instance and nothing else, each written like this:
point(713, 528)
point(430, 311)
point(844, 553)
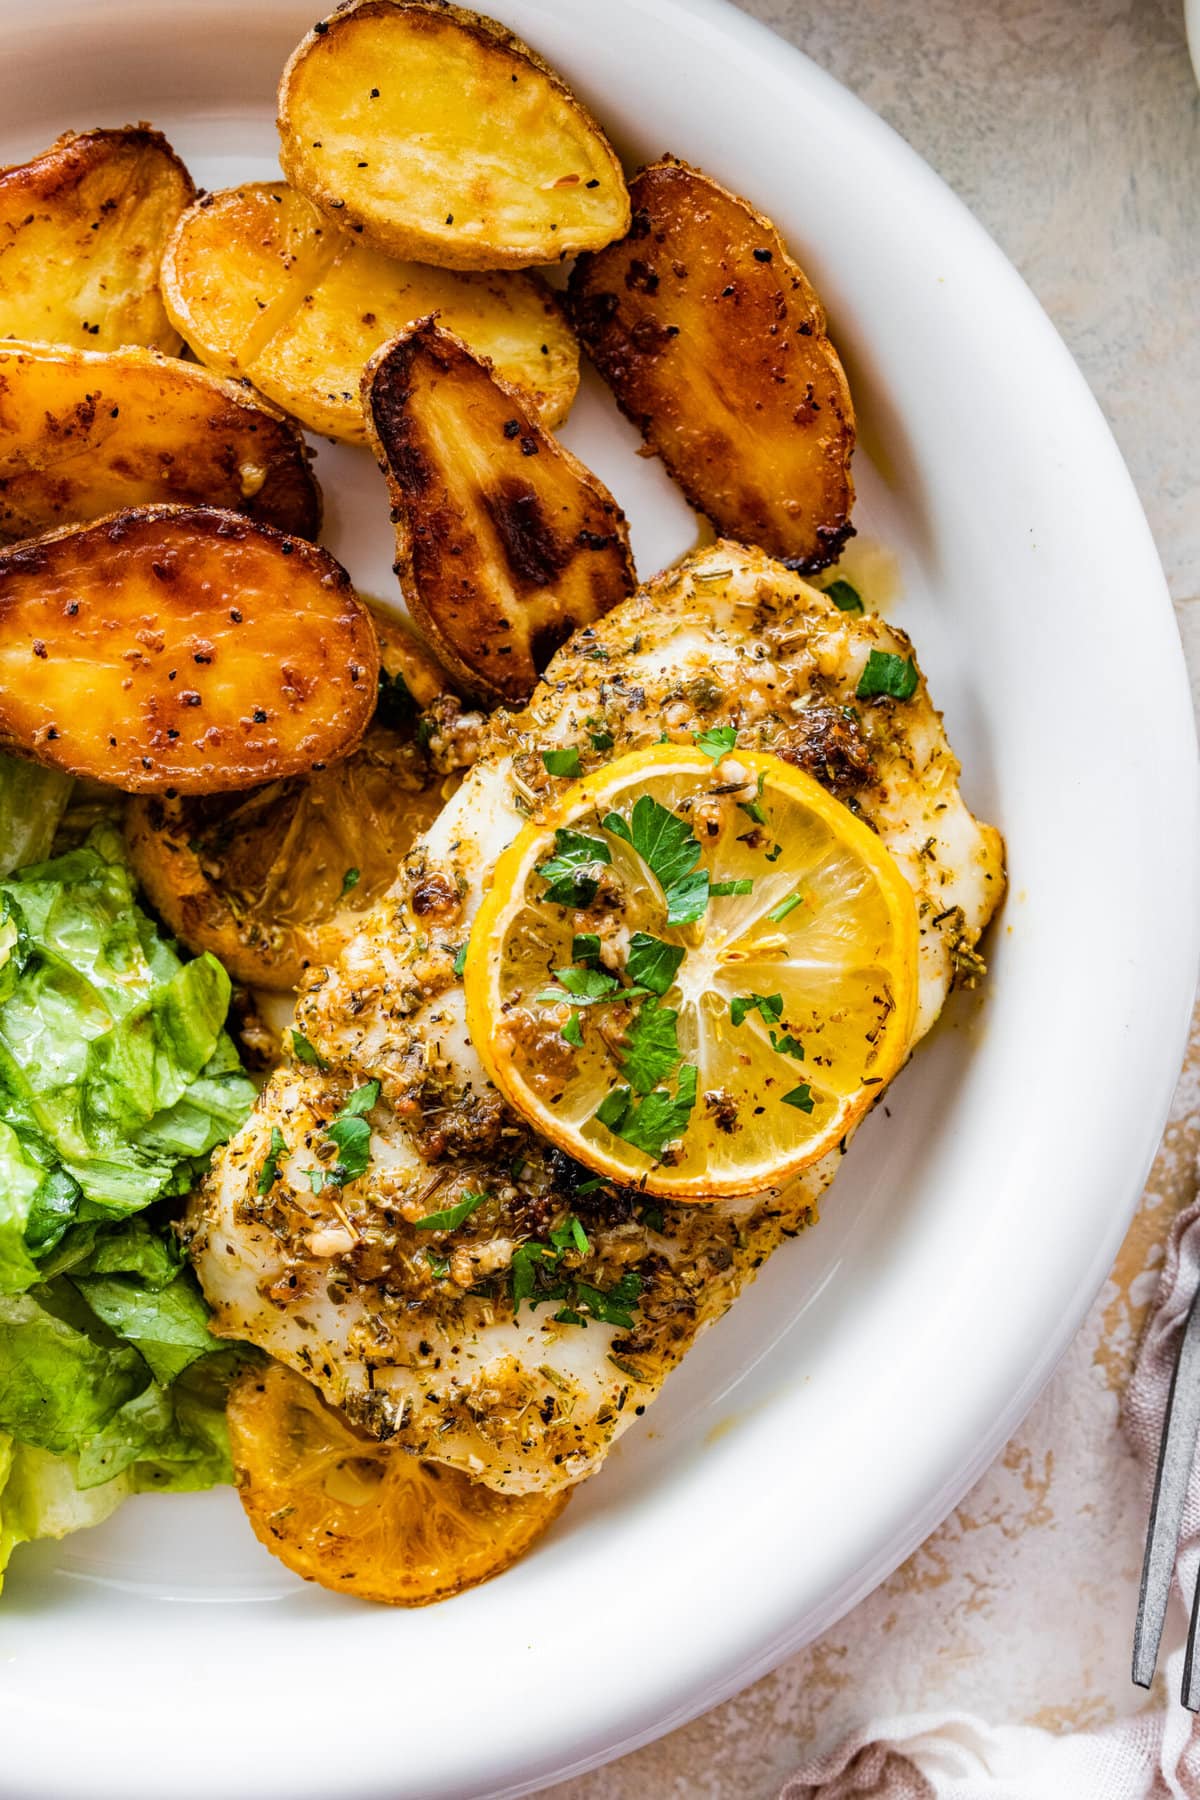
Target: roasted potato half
point(505, 543)
point(181, 647)
point(262, 286)
point(82, 228)
point(443, 137)
point(275, 880)
point(87, 432)
point(363, 1517)
point(714, 344)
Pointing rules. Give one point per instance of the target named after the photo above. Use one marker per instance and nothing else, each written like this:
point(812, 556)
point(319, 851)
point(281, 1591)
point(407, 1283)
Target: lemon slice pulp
point(694, 974)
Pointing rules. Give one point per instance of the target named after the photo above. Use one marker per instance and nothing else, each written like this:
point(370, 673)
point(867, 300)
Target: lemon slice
point(695, 971)
point(363, 1517)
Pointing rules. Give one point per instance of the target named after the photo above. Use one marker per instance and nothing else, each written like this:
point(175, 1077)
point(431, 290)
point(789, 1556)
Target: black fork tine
point(1175, 1457)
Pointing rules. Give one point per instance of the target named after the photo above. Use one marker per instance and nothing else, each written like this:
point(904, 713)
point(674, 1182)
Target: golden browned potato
point(714, 344)
point(86, 432)
point(82, 229)
point(181, 647)
point(353, 1514)
point(262, 286)
point(276, 879)
point(505, 543)
point(441, 136)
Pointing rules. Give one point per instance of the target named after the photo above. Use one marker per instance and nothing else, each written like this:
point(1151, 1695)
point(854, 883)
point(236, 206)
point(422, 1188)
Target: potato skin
point(88, 432)
point(181, 649)
point(499, 569)
point(82, 228)
point(262, 286)
point(714, 344)
point(510, 168)
point(258, 877)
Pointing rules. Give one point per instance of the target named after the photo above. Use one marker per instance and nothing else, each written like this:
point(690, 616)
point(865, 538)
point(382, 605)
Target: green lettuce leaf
point(39, 1497)
point(32, 801)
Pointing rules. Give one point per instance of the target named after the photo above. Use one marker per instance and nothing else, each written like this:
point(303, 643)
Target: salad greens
point(117, 1080)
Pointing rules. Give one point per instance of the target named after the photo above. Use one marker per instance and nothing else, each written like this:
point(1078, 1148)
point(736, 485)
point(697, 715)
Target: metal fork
point(1176, 1455)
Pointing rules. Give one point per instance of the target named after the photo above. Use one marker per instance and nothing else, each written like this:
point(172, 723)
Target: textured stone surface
point(1072, 129)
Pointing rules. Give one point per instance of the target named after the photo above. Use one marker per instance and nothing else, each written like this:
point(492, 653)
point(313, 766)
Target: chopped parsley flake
point(269, 1173)
point(651, 1048)
point(786, 1045)
point(774, 853)
point(717, 741)
point(720, 889)
point(769, 1007)
point(352, 1135)
point(582, 987)
point(893, 677)
point(651, 963)
point(787, 905)
point(572, 871)
point(687, 898)
point(585, 947)
point(439, 1265)
point(654, 1122)
point(844, 597)
point(572, 1031)
point(800, 1096)
point(601, 739)
point(303, 1051)
point(460, 957)
point(450, 1217)
point(561, 762)
point(351, 879)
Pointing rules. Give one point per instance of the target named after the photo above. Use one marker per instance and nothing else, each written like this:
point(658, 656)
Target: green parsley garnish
point(570, 1235)
point(687, 898)
point(774, 853)
point(585, 947)
point(395, 706)
point(651, 1049)
point(572, 1031)
point(351, 879)
point(450, 1217)
point(439, 1265)
point(769, 1007)
point(667, 845)
point(800, 1096)
point(717, 741)
point(786, 906)
point(654, 1122)
point(352, 1135)
point(561, 762)
point(582, 987)
point(786, 1045)
point(572, 871)
point(269, 1173)
point(894, 677)
point(303, 1051)
point(844, 597)
point(601, 739)
point(719, 889)
point(611, 1307)
point(460, 957)
point(651, 963)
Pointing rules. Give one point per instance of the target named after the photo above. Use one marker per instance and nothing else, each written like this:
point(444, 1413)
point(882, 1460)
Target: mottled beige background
point(1072, 129)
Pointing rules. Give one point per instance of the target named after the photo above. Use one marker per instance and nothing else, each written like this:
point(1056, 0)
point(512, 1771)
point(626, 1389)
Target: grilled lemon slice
point(360, 1516)
point(695, 971)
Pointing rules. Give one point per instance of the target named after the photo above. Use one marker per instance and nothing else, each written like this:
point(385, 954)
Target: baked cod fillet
point(411, 1327)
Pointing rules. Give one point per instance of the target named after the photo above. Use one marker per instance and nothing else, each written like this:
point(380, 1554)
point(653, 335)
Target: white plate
point(831, 1420)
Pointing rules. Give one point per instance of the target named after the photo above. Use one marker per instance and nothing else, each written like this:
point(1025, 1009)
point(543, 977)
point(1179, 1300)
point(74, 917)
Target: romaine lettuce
point(117, 1080)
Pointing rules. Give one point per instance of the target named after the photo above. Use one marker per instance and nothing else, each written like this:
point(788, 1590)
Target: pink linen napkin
point(1153, 1756)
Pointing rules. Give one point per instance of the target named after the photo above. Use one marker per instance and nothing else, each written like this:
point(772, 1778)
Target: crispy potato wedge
point(714, 344)
point(87, 432)
point(181, 647)
point(262, 286)
point(275, 880)
point(82, 229)
point(363, 1517)
point(443, 137)
point(505, 543)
